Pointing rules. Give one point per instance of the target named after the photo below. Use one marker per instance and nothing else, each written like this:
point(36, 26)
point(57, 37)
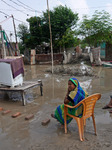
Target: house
point(106, 51)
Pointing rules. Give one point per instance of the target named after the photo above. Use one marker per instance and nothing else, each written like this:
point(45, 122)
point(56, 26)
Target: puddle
point(104, 118)
point(20, 134)
point(86, 84)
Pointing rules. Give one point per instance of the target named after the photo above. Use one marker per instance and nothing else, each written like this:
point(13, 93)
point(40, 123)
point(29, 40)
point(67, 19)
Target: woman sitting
point(74, 95)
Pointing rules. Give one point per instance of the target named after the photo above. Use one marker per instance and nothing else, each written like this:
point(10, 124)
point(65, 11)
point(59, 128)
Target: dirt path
point(19, 134)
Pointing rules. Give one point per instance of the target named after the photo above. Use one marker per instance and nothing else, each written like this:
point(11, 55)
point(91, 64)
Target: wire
point(25, 4)
point(5, 20)
point(4, 13)
point(14, 7)
point(9, 10)
point(28, 6)
point(20, 20)
point(21, 5)
point(9, 16)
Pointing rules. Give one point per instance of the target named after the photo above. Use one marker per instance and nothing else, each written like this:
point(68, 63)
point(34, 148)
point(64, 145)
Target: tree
point(23, 34)
point(35, 31)
point(68, 39)
point(62, 18)
point(96, 29)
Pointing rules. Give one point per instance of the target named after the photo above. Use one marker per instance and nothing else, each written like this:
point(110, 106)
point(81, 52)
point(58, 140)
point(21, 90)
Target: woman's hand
point(66, 101)
point(68, 92)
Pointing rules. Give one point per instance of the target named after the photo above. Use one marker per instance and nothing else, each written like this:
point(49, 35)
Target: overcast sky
point(23, 9)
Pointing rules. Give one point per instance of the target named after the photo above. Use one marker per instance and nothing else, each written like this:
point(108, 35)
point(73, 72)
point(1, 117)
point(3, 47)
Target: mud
point(73, 70)
point(20, 134)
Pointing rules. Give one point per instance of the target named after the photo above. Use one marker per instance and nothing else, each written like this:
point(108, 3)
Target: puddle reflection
point(104, 118)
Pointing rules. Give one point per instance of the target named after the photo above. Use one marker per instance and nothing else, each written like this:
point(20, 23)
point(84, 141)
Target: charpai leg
point(23, 98)
point(41, 89)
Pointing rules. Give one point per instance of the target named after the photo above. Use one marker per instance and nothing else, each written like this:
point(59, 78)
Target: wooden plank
point(26, 85)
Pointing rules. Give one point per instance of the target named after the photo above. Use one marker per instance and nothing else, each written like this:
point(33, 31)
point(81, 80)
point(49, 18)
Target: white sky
point(17, 9)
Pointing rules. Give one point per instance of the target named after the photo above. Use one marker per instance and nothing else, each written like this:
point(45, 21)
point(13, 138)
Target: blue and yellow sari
point(77, 95)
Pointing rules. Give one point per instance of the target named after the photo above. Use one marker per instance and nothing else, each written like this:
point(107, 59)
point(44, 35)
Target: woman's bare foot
point(107, 107)
point(53, 116)
point(62, 126)
point(110, 111)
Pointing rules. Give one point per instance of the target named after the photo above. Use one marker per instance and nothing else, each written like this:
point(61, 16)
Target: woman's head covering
point(78, 94)
point(74, 81)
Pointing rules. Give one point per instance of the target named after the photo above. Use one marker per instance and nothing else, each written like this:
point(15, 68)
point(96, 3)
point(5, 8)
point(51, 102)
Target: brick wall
point(47, 58)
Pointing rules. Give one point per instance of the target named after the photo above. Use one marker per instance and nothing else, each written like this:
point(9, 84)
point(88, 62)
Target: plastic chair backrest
point(89, 104)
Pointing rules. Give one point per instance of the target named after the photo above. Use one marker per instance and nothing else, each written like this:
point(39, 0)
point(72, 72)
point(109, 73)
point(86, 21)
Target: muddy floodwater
point(20, 134)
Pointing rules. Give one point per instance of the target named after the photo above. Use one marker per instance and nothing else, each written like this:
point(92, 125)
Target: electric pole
point(17, 48)
point(50, 37)
point(3, 52)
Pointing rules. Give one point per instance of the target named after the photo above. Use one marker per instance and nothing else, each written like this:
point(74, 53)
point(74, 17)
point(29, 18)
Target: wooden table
point(25, 86)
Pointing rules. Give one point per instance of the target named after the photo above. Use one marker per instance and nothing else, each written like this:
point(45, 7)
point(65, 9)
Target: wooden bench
point(25, 86)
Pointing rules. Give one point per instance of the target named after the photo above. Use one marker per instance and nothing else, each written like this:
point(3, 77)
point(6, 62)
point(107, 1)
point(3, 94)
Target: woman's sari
point(77, 95)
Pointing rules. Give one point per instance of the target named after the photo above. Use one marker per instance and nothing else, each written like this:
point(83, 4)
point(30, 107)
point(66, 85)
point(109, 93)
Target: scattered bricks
point(45, 122)
point(1, 108)
point(29, 117)
point(16, 115)
point(6, 112)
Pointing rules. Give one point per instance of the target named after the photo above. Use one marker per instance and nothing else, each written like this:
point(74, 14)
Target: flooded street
point(20, 134)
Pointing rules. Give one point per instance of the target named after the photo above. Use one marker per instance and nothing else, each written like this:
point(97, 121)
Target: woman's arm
point(66, 101)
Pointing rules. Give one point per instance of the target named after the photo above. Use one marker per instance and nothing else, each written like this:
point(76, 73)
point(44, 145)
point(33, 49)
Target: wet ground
point(20, 134)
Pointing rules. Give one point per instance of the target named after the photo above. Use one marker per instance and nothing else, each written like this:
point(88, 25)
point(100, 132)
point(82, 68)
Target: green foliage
point(23, 34)
point(21, 48)
point(84, 44)
point(96, 29)
point(61, 18)
point(35, 31)
point(67, 40)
